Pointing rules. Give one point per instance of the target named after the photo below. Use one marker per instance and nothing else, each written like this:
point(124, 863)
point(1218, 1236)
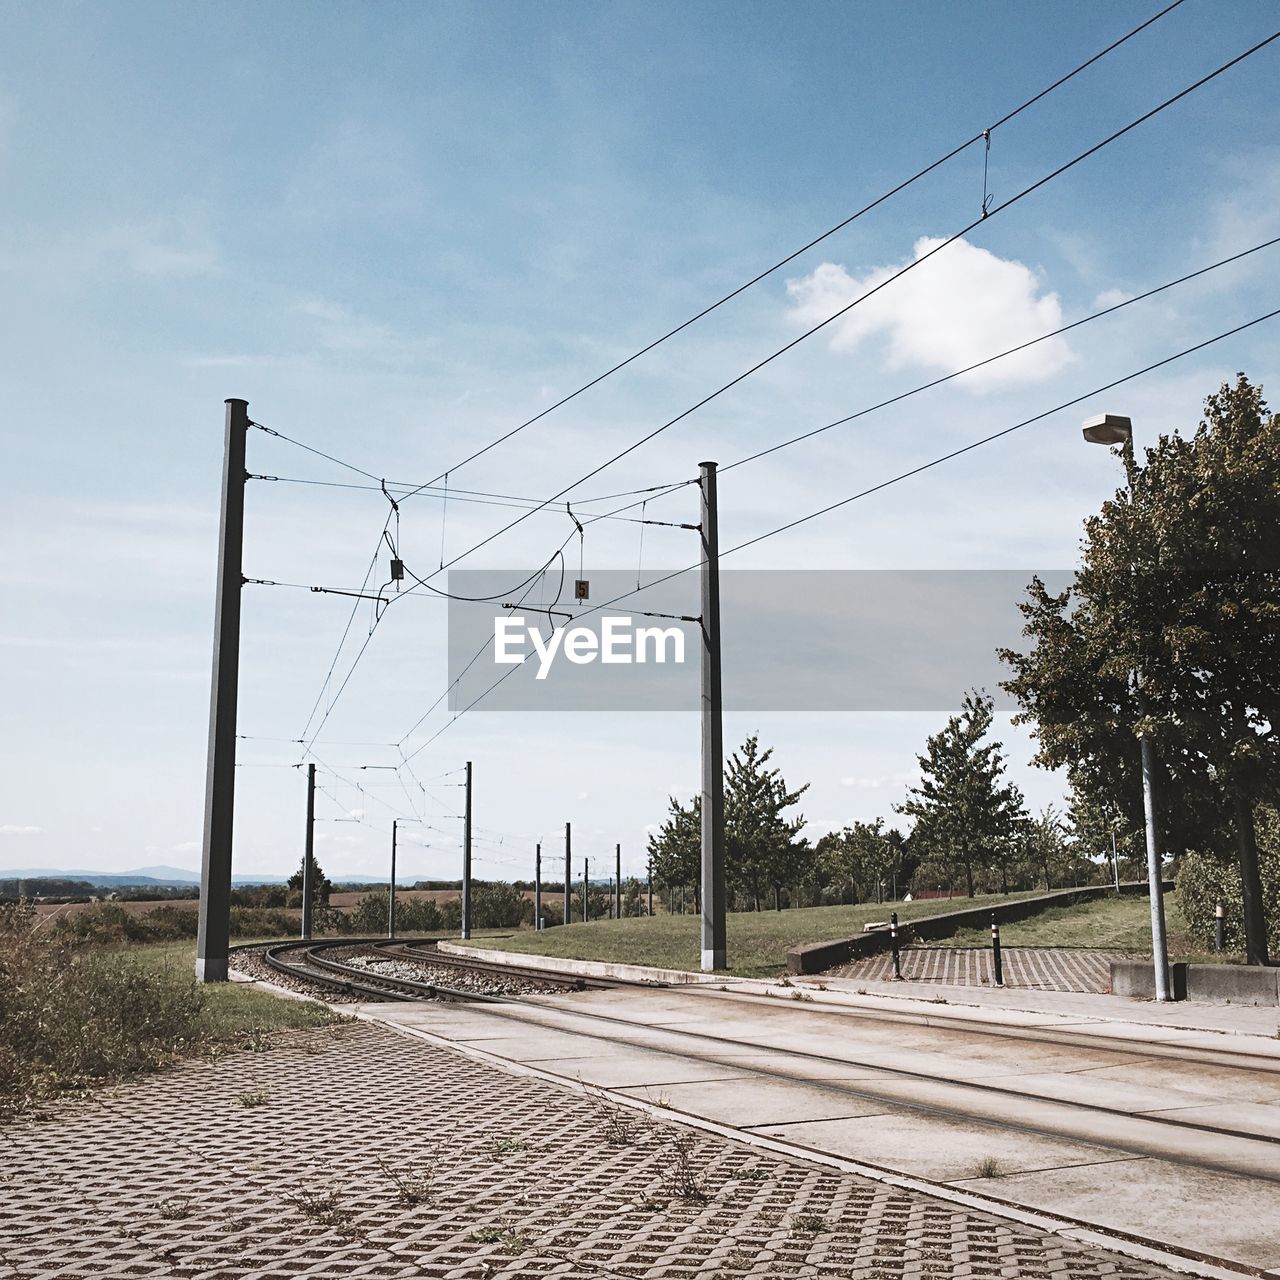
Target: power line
point(486, 500)
point(911, 266)
point(873, 489)
point(1023, 346)
point(981, 135)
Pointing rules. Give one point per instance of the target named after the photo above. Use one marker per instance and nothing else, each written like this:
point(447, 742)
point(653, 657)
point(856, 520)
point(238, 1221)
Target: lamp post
point(1115, 430)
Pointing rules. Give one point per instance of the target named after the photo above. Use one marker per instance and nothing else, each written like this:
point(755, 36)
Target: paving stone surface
point(1034, 968)
point(365, 1153)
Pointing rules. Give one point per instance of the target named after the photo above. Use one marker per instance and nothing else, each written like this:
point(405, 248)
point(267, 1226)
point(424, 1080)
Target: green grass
point(1114, 924)
point(757, 941)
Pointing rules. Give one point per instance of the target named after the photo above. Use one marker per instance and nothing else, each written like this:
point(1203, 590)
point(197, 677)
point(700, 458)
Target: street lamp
point(1114, 429)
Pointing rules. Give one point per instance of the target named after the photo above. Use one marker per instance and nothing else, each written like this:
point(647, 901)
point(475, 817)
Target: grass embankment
point(1112, 924)
point(757, 940)
point(73, 1017)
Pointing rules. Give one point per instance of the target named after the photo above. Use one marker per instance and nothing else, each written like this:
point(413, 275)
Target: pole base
point(212, 971)
point(713, 960)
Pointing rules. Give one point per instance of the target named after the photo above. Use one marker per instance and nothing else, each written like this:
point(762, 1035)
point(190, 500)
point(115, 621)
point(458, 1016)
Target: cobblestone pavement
point(1037, 968)
point(364, 1153)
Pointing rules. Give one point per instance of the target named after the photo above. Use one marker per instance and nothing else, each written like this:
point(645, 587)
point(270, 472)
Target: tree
point(675, 849)
point(762, 848)
point(860, 858)
point(1044, 843)
point(963, 812)
point(1171, 630)
point(320, 885)
point(1093, 822)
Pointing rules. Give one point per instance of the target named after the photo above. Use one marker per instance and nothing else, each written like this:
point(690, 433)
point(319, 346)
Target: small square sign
point(581, 589)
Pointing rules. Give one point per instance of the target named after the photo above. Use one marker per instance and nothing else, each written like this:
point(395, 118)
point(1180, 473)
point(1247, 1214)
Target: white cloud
point(13, 829)
point(958, 307)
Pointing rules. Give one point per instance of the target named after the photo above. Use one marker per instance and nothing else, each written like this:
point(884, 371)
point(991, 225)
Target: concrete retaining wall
point(817, 957)
point(1208, 983)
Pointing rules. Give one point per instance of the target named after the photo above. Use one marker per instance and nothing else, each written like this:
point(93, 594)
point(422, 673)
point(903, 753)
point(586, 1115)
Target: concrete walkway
point(1031, 1099)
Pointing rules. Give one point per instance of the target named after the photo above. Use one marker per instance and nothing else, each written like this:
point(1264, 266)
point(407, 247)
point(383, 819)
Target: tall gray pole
point(391, 890)
point(213, 935)
point(617, 897)
point(1115, 861)
point(568, 871)
point(1159, 944)
point(309, 857)
point(650, 869)
point(537, 888)
point(713, 897)
point(466, 858)
point(586, 890)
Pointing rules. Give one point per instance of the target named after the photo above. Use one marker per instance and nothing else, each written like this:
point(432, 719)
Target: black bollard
point(995, 950)
point(1219, 927)
point(897, 953)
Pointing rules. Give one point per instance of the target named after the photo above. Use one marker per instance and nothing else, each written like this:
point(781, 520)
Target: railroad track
point(308, 962)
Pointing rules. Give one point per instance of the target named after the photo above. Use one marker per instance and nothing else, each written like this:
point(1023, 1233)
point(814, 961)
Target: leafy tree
point(321, 887)
point(1171, 630)
point(1044, 843)
point(762, 846)
point(964, 813)
point(859, 858)
point(675, 849)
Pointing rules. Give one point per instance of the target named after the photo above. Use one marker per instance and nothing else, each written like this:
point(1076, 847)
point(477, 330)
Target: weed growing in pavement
point(990, 1167)
point(784, 981)
point(801, 995)
point(680, 1179)
point(618, 1123)
point(508, 1146)
point(508, 1236)
point(254, 1098)
point(412, 1186)
point(173, 1208)
point(323, 1208)
point(257, 1040)
point(808, 1224)
point(755, 1175)
point(937, 1000)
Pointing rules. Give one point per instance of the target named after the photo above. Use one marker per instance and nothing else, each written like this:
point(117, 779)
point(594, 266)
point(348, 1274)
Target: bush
point(67, 1018)
point(109, 924)
point(264, 922)
point(413, 915)
point(498, 905)
point(1204, 880)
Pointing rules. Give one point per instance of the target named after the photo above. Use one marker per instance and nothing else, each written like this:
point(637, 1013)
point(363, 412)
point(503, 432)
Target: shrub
point(498, 905)
point(1204, 880)
point(68, 1018)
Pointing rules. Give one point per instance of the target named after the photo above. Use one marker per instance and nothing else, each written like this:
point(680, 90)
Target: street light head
point(1108, 428)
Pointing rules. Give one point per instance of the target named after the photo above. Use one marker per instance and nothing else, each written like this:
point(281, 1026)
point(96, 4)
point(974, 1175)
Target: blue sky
point(400, 229)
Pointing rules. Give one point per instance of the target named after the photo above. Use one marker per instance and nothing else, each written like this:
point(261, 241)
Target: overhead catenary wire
point(1057, 172)
point(1001, 355)
point(814, 242)
point(874, 489)
point(871, 292)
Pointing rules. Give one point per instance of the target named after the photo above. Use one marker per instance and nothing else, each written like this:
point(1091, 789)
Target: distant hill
point(161, 877)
